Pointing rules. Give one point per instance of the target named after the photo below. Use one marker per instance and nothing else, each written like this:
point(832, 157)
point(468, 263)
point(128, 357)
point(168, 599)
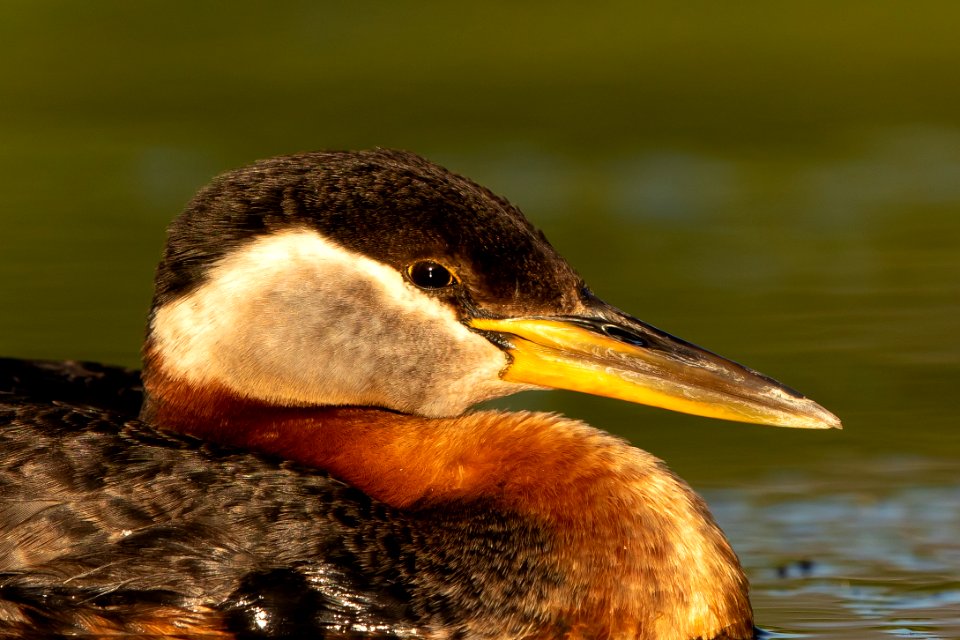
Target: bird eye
point(430, 275)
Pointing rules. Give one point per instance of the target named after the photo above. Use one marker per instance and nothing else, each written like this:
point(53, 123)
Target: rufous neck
point(519, 459)
point(628, 530)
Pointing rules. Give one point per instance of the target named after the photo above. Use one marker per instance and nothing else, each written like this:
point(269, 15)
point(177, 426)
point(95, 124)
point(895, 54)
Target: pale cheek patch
point(293, 318)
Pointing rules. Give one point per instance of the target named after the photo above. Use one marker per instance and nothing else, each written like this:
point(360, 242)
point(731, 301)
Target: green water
point(778, 182)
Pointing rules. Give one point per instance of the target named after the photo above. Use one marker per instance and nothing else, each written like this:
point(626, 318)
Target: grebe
point(303, 466)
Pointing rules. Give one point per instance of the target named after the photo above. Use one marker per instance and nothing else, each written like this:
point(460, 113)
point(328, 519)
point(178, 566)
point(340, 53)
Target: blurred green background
point(778, 182)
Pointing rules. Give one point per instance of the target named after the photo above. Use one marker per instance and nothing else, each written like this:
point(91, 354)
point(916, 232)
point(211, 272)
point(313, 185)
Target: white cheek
point(293, 318)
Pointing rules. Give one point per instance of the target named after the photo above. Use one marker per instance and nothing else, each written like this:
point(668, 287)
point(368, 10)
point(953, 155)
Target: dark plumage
point(390, 205)
point(266, 547)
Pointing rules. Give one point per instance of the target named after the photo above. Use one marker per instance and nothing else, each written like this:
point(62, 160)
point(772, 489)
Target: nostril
point(624, 335)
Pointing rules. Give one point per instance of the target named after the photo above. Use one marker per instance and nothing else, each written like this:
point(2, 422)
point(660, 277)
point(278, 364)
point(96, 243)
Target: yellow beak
point(617, 356)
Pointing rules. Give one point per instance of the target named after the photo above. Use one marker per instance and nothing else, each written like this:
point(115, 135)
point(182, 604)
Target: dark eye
point(430, 275)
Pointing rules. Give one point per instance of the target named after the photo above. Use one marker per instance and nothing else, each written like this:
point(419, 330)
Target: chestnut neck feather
point(631, 532)
point(517, 459)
